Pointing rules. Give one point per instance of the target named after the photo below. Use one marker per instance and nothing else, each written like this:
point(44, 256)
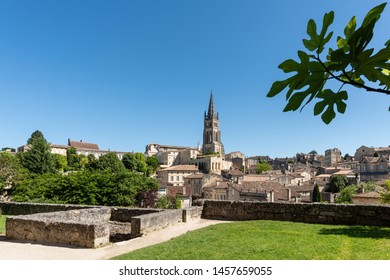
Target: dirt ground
point(17, 250)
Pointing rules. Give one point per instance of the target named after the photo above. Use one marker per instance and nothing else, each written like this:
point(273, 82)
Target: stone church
point(212, 159)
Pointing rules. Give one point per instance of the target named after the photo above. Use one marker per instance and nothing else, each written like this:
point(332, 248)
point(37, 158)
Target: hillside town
point(208, 172)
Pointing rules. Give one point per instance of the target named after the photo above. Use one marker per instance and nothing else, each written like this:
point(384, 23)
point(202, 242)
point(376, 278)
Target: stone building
point(211, 133)
point(332, 157)
point(371, 152)
point(374, 168)
point(175, 175)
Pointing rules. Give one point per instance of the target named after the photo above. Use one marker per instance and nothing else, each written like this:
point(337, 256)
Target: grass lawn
point(2, 224)
point(272, 240)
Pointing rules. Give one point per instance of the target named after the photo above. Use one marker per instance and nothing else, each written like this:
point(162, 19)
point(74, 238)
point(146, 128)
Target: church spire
point(211, 111)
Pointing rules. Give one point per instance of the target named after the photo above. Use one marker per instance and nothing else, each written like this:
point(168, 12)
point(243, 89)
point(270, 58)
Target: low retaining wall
point(150, 222)
point(192, 213)
point(25, 208)
point(344, 214)
point(125, 214)
point(85, 228)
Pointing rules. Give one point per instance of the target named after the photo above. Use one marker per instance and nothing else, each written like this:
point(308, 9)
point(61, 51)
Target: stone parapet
point(25, 208)
point(192, 213)
point(321, 213)
point(84, 227)
point(150, 222)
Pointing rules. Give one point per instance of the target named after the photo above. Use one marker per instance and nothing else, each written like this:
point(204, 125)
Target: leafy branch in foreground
point(352, 63)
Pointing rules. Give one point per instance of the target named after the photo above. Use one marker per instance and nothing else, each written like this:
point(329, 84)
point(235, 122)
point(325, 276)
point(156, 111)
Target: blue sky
point(123, 74)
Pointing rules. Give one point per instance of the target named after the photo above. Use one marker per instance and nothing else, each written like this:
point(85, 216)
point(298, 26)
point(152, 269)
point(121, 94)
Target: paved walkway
point(15, 250)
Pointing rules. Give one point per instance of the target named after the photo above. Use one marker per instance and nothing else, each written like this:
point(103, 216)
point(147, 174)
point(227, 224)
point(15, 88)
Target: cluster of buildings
point(208, 172)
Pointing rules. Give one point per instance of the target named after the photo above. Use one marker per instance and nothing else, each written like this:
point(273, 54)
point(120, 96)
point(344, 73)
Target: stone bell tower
point(211, 132)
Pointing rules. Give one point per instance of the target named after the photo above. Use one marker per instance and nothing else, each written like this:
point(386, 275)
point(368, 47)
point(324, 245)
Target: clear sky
point(126, 73)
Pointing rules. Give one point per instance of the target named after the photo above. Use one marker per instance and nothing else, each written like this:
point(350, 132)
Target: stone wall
point(150, 222)
point(83, 227)
point(191, 213)
point(87, 226)
point(24, 208)
point(344, 214)
point(124, 214)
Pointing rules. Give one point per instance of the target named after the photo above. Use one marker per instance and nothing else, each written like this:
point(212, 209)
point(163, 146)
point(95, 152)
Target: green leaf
point(350, 28)
point(295, 101)
point(277, 87)
point(373, 15)
point(328, 115)
point(327, 21)
point(329, 100)
point(318, 41)
point(372, 67)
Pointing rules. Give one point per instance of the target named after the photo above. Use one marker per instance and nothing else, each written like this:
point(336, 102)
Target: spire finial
point(211, 111)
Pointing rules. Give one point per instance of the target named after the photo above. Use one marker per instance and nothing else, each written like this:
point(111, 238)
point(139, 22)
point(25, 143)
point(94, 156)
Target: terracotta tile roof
point(83, 145)
point(344, 172)
point(256, 178)
point(236, 172)
point(324, 176)
point(261, 187)
point(187, 167)
point(372, 159)
point(368, 195)
point(178, 190)
point(195, 176)
point(59, 146)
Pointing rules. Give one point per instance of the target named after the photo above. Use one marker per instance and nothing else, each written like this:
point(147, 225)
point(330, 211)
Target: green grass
point(2, 224)
point(272, 240)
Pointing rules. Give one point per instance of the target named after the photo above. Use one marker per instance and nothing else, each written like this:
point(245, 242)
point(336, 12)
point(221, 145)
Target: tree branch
point(350, 81)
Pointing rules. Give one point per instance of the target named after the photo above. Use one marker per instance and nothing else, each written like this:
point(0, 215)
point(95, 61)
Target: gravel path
point(15, 250)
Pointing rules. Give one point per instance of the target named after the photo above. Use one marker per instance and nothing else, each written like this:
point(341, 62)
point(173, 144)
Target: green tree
point(35, 136)
point(60, 162)
point(316, 194)
point(162, 202)
point(38, 158)
point(111, 162)
point(313, 152)
point(337, 183)
point(96, 187)
point(71, 156)
point(10, 170)
point(346, 194)
point(152, 164)
point(263, 167)
point(385, 196)
point(135, 162)
point(351, 62)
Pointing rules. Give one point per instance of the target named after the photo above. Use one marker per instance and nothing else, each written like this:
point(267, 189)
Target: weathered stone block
point(84, 228)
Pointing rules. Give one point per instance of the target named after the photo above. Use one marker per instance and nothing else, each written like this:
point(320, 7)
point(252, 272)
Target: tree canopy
point(10, 169)
point(263, 167)
point(338, 183)
point(38, 158)
point(350, 62)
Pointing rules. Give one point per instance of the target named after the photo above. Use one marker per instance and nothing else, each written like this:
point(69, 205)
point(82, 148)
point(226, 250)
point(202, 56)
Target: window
point(171, 178)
